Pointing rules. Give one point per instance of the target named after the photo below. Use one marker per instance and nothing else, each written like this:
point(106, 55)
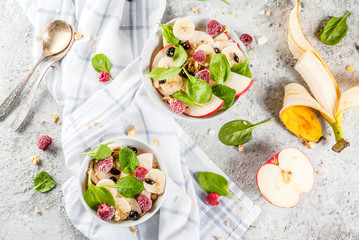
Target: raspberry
point(246, 39)
point(43, 142)
point(105, 212)
point(214, 27)
point(140, 173)
point(203, 74)
point(104, 76)
point(105, 165)
point(212, 199)
point(199, 56)
point(177, 107)
point(144, 202)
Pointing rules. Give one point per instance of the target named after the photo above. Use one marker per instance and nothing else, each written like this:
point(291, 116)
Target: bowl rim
point(123, 140)
point(147, 82)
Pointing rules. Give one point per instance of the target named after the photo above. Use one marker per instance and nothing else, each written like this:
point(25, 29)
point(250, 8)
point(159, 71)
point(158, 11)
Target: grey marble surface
point(329, 211)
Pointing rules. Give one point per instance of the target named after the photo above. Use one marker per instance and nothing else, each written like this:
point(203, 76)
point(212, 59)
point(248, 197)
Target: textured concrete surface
point(328, 212)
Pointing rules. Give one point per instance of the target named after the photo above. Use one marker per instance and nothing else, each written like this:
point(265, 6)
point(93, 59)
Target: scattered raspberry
point(203, 74)
point(177, 107)
point(214, 27)
point(144, 202)
point(212, 199)
point(140, 173)
point(43, 142)
point(105, 165)
point(199, 56)
point(105, 212)
point(104, 76)
point(246, 39)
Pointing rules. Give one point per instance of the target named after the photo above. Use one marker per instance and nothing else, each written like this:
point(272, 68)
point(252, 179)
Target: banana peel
point(326, 97)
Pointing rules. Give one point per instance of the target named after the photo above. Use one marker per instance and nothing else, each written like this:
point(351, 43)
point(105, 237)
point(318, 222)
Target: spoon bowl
point(56, 37)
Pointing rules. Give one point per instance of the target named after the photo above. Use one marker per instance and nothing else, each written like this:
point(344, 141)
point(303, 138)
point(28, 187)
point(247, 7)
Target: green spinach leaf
point(160, 73)
point(225, 93)
point(219, 68)
point(184, 98)
point(100, 152)
point(335, 30)
point(100, 62)
point(199, 90)
point(213, 182)
point(43, 182)
point(128, 160)
point(129, 187)
point(168, 34)
point(180, 56)
point(243, 67)
point(237, 132)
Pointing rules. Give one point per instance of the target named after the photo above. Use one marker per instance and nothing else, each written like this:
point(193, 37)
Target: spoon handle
point(20, 118)
point(11, 100)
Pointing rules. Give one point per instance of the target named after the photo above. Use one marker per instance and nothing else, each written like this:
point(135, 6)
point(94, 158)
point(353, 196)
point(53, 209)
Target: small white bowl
point(153, 45)
point(142, 147)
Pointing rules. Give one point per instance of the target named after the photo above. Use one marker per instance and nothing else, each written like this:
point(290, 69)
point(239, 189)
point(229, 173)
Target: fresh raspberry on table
point(204, 75)
point(212, 199)
point(144, 202)
point(214, 27)
point(199, 56)
point(105, 212)
point(140, 173)
point(43, 142)
point(246, 39)
point(177, 107)
point(105, 165)
point(104, 76)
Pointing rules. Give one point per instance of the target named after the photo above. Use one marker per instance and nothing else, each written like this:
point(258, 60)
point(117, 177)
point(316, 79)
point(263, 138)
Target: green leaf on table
point(335, 30)
point(168, 34)
point(43, 182)
point(129, 187)
point(199, 90)
point(180, 56)
point(183, 97)
point(243, 67)
point(100, 152)
point(225, 93)
point(100, 62)
point(160, 73)
point(219, 68)
point(128, 160)
point(213, 182)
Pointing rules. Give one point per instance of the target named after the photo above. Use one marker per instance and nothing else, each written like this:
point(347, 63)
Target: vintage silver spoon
point(56, 38)
point(20, 118)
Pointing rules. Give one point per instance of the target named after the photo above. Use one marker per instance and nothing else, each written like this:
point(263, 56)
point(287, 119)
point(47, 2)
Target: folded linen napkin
point(119, 29)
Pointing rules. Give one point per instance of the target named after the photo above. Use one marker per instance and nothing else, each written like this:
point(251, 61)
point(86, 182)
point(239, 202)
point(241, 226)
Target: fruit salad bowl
point(157, 48)
point(148, 158)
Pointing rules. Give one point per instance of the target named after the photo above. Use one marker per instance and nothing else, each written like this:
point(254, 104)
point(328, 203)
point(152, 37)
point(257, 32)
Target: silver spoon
point(20, 118)
point(56, 38)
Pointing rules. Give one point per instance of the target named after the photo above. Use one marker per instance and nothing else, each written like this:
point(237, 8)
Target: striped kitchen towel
point(119, 29)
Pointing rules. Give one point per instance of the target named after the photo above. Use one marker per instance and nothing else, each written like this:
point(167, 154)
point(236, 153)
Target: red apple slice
point(200, 37)
point(222, 36)
point(239, 83)
point(207, 108)
point(146, 160)
point(161, 54)
point(285, 177)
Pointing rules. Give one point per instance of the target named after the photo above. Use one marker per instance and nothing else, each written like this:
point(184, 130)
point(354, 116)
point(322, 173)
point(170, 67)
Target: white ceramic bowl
point(153, 45)
point(141, 147)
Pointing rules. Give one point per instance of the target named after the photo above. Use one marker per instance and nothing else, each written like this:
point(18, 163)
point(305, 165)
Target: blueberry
point(217, 50)
point(114, 171)
point(186, 45)
point(183, 74)
point(134, 215)
point(235, 57)
point(162, 81)
point(170, 52)
point(149, 181)
point(133, 149)
point(113, 179)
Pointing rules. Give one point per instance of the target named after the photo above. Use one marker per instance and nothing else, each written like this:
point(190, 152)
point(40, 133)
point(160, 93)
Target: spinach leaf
point(237, 132)
point(94, 195)
point(335, 30)
point(243, 67)
point(213, 182)
point(225, 93)
point(199, 90)
point(101, 62)
point(128, 160)
point(100, 152)
point(129, 187)
point(43, 182)
point(160, 73)
point(219, 68)
point(180, 56)
point(168, 34)
point(184, 98)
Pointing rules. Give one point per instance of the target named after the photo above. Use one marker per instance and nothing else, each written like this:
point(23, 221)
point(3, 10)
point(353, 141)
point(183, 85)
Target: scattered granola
point(95, 123)
point(155, 141)
point(268, 13)
point(350, 194)
point(132, 131)
point(78, 35)
point(350, 68)
point(42, 122)
point(93, 49)
point(100, 125)
point(58, 122)
point(54, 117)
point(88, 126)
point(243, 209)
point(90, 38)
point(34, 159)
point(233, 14)
point(133, 229)
point(177, 199)
point(240, 148)
point(195, 9)
point(249, 5)
point(26, 34)
point(226, 223)
point(184, 176)
point(318, 173)
point(244, 122)
point(218, 238)
point(321, 163)
point(37, 210)
point(37, 38)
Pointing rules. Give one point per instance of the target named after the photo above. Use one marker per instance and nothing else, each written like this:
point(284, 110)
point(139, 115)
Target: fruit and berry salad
point(122, 183)
point(199, 72)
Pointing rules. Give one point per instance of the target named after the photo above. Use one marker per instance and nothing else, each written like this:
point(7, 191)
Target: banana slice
point(134, 205)
point(172, 85)
point(208, 50)
point(159, 181)
point(183, 29)
point(114, 146)
point(166, 62)
point(123, 209)
point(231, 52)
point(113, 191)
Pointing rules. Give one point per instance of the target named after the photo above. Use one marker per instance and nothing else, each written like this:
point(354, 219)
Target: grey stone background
point(329, 211)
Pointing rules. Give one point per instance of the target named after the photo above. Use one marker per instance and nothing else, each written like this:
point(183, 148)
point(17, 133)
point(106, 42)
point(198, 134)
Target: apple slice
point(161, 54)
point(200, 37)
point(146, 160)
point(207, 109)
point(239, 83)
point(285, 177)
point(222, 36)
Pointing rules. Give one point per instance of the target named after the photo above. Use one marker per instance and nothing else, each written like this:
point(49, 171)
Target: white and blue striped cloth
point(119, 29)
